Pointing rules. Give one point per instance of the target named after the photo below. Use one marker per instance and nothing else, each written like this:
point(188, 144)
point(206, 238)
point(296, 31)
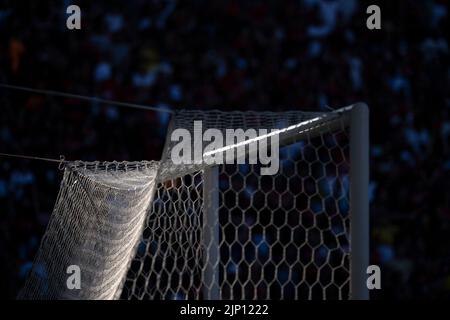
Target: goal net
point(96, 224)
point(164, 230)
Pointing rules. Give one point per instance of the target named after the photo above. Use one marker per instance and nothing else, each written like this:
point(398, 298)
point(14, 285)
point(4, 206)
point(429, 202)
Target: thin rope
point(80, 97)
point(61, 161)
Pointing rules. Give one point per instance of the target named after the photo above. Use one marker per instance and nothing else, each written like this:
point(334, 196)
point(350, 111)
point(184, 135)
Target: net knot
point(62, 162)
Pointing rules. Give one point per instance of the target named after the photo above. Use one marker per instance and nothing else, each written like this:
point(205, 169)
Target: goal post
point(357, 118)
point(359, 200)
point(161, 230)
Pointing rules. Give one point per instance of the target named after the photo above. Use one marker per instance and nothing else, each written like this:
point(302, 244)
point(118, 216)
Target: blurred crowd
point(246, 55)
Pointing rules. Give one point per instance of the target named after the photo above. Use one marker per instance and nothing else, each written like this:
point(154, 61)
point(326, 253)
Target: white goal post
point(357, 118)
point(159, 230)
point(359, 200)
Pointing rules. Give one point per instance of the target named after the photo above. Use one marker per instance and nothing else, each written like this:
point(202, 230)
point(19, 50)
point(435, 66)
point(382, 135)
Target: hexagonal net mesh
point(228, 232)
point(161, 230)
point(96, 223)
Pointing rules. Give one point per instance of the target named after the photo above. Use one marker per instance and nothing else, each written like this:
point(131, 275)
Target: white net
point(211, 232)
point(95, 225)
point(228, 232)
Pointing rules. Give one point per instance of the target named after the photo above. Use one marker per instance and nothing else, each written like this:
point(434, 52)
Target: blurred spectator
point(254, 55)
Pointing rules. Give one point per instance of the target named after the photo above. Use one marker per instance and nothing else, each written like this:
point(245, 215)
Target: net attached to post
point(245, 235)
point(97, 221)
point(162, 230)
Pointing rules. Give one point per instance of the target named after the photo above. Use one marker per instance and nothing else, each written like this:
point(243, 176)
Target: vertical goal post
point(356, 117)
point(159, 230)
point(359, 200)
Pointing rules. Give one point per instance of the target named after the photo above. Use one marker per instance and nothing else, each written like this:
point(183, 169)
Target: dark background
point(245, 55)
